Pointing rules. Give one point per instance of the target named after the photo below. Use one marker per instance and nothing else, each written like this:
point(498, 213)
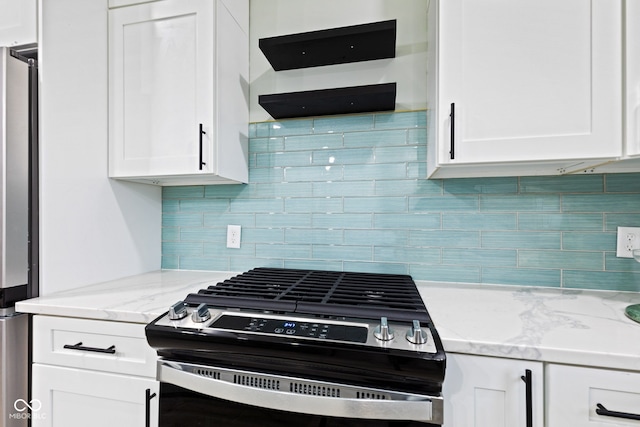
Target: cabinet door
point(161, 73)
point(18, 22)
point(531, 80)
point(573, 395)
point(489, 392)
point(64, 397)
point(632, 86)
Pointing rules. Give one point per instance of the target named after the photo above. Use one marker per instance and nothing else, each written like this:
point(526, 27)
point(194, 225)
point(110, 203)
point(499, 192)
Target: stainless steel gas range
point(277, 347)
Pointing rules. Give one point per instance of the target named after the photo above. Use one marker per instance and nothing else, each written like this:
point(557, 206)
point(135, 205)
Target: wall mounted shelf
point(354, 99)
point(342, 45)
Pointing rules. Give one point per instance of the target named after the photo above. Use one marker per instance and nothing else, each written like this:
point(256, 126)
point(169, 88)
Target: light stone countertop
point(551, 325)
point(546, 324)
point(134, 299)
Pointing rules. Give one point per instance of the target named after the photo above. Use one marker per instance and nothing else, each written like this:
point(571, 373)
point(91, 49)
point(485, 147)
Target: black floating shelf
point(355, 43)
point(345, 100)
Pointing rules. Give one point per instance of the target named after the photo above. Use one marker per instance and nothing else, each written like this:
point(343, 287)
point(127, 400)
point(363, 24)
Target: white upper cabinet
point(633, 78)
point(178, 76)
point(632, 91)
point(524, 87)
point(630, 160)
point(18, 22)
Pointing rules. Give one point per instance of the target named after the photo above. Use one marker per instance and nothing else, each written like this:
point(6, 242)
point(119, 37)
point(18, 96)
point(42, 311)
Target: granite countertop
point(551, 325)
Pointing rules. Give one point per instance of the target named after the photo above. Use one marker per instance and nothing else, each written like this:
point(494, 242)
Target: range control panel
point(293, 327)
point(371, 333)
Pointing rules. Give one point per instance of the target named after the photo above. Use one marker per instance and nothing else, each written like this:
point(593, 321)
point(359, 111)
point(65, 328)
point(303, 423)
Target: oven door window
point(180, 407)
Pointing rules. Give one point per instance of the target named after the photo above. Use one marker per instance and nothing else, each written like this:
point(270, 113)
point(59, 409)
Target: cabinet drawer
point(93, 344)
point(573, 395)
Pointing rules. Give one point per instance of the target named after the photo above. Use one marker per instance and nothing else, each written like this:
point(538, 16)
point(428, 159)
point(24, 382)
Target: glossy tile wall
point(347, 193)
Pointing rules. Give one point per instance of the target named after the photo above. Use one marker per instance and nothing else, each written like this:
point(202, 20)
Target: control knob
point(382, 331)
point(178, 311)
point(415, 334)
point(201, 314)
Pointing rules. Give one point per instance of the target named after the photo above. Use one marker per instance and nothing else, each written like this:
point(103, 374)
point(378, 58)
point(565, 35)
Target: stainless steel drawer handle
point(607, 413)
point(80, 347)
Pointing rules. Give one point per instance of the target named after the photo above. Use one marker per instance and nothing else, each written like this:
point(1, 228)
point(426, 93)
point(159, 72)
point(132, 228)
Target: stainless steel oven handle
point(424, 408)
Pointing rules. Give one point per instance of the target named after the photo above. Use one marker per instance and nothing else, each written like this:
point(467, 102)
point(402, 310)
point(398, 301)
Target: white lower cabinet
point(92, 372)
point(71, 397)
point(484, 391)
point(574, 394)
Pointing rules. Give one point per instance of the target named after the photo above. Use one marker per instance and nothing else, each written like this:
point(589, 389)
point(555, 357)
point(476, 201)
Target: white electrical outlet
point(233, 236)
point(628, 239)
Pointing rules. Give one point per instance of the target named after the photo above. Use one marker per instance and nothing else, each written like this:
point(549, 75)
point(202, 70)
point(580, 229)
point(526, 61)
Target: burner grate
point(318, 292)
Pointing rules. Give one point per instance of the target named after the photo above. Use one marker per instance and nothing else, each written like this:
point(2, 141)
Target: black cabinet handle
point(147, 407)
point(529, 395)
point(80, 347)
point(452, 116)
point(200, 133)
point(607, 413)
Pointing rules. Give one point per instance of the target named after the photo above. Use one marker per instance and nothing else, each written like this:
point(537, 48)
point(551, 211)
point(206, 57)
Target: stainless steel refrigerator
point(18, 226)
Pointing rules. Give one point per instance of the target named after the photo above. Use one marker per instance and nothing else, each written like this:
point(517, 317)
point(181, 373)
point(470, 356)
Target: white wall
point(93, 229)
point(280, 17)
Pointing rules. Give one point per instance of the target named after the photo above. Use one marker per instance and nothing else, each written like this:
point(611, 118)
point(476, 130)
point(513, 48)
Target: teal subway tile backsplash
point(522, 240)
point(375, 204)
point(192, 192)
point(344, 189)
point(376, 139)
point(349, 193)
point(601, 202)
point(562, 184)
point(561, 259)
point(522, 276)
point(445, 239)
point(341, 124)
point(343, 252)
point(481, 185)
point(330, 221)
point(623, 183)
point(576, 241)
point(404, 120)
point(561, 221)
point(613, 220)
point(520, 203)
point(482, 257)
point(479, 221)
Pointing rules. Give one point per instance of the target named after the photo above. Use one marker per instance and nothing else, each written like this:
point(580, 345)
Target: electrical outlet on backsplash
point(349, 193)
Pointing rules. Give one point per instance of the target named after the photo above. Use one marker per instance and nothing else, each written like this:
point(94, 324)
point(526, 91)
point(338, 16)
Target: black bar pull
point(80, 347)
point(147, 407)
point(452, 116)
point(200, 133)
point(607, 413)
point(529, 396)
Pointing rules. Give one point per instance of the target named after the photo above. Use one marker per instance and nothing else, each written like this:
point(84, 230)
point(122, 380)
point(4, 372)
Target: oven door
point(201, 395)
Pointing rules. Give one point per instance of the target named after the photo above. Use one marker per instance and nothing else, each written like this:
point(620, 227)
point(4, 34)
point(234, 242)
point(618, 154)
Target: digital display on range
point(302, 329)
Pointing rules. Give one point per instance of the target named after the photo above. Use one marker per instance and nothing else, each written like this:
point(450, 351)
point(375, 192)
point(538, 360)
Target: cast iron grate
point(318, 292)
